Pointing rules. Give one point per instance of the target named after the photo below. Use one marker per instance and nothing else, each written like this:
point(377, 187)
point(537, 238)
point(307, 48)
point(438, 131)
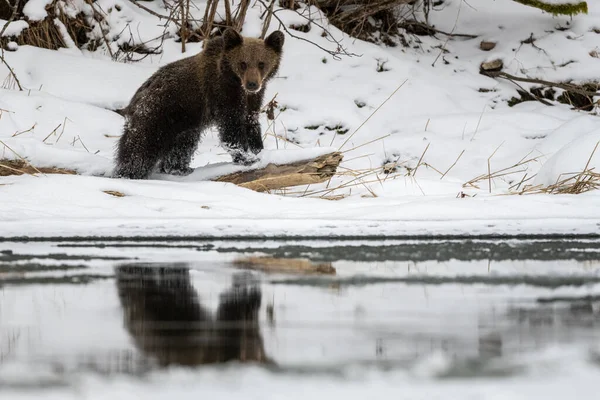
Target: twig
point(240, 15)
point(453, 164)
point(25, 131)
point(565, 86)
point(478, 122)
point(267, 20)
point(50, 134)
point(414, 171)
point(334, 53)
point(228, 18)
point(18, 155)
point(448, 39)
point(100, 18)
point(15, 170)
point(364, 144)
point(64, 124)
point(11, 19)
point(373, 113)
point(427, 26)
point(160, 16)
point(589, 160)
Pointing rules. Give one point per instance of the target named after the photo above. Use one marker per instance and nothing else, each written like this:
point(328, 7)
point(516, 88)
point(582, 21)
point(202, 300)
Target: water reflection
point(165, 317)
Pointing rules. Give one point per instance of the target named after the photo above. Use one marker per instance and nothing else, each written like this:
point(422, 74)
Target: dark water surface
point(449, 309)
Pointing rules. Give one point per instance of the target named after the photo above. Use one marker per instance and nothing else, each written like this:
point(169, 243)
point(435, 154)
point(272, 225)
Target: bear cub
point(222, 86)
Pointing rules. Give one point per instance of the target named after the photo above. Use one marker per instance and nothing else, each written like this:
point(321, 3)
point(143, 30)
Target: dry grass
point(364, 18)
point(22, 167)
point(47, 33)
point(575, 183)
point(491, 175)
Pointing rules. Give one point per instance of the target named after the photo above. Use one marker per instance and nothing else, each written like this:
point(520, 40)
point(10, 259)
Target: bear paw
point(244, 159)
point(182, 171)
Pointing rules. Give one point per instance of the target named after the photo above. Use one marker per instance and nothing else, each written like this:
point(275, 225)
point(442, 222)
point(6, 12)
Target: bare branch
point(565, 86)
point(11, 19)
point(334, 53)
point(168, 18)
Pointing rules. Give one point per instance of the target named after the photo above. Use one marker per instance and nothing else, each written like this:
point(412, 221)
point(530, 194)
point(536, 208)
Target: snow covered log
point(275, 176)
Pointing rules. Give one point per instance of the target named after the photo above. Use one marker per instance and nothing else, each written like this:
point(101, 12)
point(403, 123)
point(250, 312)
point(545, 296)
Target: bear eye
point(261, 65)
point(243, 66)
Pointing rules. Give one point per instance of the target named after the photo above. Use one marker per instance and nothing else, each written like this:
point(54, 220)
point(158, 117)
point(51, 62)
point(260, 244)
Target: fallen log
point(274, 176)
point(271, 177)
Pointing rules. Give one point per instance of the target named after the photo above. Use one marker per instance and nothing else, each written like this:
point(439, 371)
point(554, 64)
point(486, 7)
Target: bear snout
point(252, 86)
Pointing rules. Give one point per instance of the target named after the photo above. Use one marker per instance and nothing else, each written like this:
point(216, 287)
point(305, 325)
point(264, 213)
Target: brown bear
point(222, 86)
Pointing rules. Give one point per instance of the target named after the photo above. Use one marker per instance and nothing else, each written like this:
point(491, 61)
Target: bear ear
point(232, 39)
point(275, 41)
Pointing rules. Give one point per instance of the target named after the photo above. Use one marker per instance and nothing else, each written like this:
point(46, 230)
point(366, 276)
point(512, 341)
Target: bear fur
point(222, 86)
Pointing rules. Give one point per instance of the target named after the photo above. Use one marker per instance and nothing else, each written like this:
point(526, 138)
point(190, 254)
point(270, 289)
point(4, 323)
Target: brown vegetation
point(47, 32)
point(362, 18)
point(21, 167)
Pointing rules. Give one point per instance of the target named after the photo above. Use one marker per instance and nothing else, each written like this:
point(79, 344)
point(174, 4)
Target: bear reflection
point(165, 317)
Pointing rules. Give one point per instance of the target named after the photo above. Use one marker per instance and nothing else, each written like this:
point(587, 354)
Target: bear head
point(254, 61)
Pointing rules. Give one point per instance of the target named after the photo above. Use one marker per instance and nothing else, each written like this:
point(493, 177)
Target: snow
point(438, 121)
point(14, 28)
point(59, 340)
point(570, 159)
point(71, 204)
point(35, 10)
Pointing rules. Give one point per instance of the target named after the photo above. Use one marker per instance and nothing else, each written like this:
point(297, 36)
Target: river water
point(404, 319)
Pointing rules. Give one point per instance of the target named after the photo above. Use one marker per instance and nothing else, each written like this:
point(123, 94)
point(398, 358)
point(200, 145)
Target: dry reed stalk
point(47, 32)
point(490, 166)
point(359, 177)
point(51, 133)
point(364, 144)
point(576, 183)
point(500, 172)
point(453, 164)
point(414, 171)
point(373, 113)
point(25, 131)
point(19, 156)
point(15, 170)
point(478, 123)
point(23, 167)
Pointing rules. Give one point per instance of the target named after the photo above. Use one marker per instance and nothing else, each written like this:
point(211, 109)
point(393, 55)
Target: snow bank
point(571, 160)
point(446, 125)
point(35, 10)
point(14, 28)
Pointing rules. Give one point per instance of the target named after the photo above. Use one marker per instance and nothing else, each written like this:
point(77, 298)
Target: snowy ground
point(482, 337)
point(439, 107)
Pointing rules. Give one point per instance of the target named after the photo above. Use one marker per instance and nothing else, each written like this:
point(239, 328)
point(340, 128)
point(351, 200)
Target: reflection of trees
point(527, 327)
point(167, 321)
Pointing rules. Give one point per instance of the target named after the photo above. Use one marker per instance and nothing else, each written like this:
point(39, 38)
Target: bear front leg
point(234, 138)
point(254, 132)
